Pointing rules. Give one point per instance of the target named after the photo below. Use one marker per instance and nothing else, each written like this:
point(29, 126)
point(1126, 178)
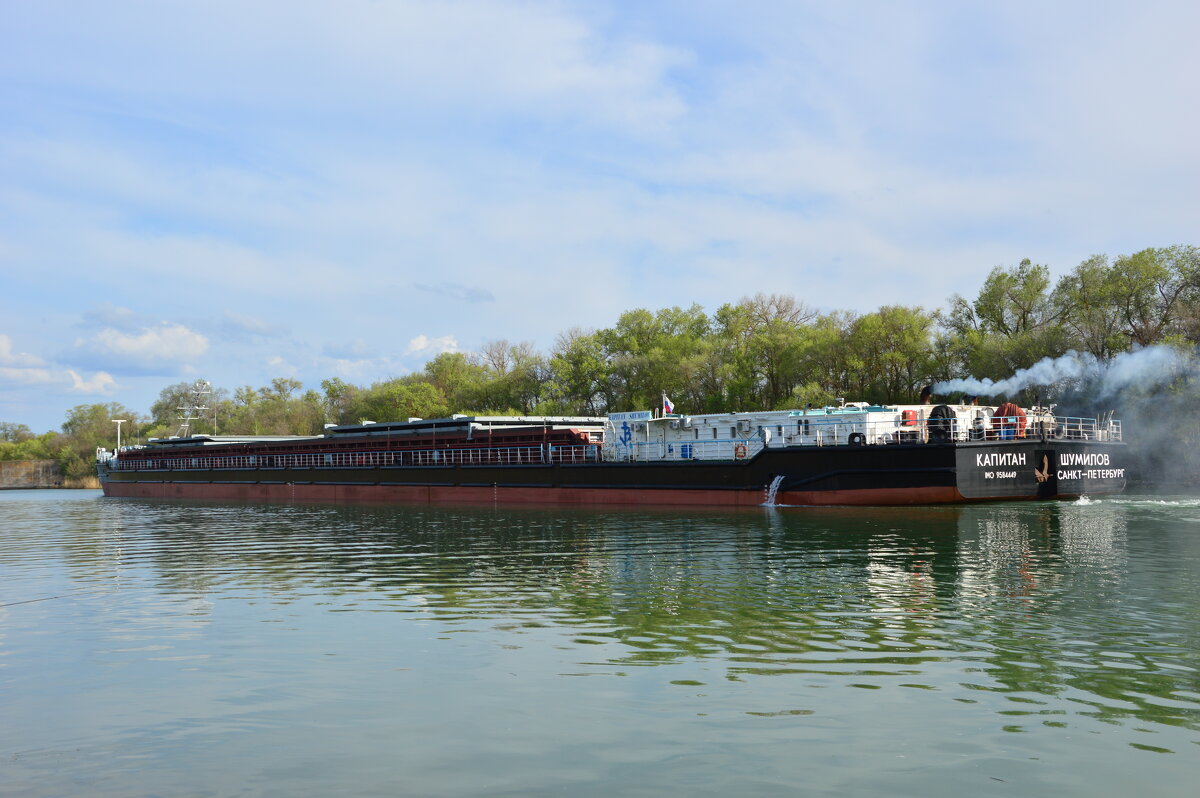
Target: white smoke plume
point(1154, 391)
point(1153, 365)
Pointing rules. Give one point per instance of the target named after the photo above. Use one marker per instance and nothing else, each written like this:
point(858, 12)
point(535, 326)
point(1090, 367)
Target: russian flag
point(668, 406)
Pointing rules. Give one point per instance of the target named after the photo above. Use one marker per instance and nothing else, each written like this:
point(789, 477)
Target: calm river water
point(196, 649)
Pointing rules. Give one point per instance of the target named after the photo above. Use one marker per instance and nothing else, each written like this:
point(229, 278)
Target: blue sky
point(241, 191)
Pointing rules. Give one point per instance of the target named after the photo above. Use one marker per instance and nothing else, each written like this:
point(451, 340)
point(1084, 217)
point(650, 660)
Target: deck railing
point(815, 432)
point(501, 455)
point(835, 432)
point(1000, 428)
point(718, 449)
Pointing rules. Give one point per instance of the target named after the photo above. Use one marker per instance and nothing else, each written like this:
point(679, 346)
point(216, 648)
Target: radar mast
point(194, 404)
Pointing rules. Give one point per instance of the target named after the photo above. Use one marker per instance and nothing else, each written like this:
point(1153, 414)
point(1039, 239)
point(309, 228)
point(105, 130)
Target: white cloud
point(240, 325)
point(100, 383)
point(173, 65)
point(166, 345)
point(26, 376)
point(278, 365)
point(457, 291)
point(348, 350)
point(350, 174)
point(114, 316)
point(18, 359)
point(167, 341)
point(424, 345)
point(357, 369)
point(20, 368)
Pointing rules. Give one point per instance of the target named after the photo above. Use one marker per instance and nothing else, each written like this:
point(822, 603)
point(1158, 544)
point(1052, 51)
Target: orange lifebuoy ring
point(739, 450)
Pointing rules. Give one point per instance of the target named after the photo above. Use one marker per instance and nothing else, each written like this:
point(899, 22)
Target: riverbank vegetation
point(764, 351)
point(74, 448)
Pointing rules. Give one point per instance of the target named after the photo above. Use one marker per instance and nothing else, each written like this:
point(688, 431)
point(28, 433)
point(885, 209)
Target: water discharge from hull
point(773, 491)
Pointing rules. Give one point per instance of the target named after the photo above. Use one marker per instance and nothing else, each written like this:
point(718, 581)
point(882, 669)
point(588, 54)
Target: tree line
point(761, 352)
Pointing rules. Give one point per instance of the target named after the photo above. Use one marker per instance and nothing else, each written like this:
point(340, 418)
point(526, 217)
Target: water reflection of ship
point(1022, 551)
point(901, 596)
point(916, 558)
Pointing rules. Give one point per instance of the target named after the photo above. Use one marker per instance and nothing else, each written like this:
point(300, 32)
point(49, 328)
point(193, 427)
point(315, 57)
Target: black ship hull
point(901, 474)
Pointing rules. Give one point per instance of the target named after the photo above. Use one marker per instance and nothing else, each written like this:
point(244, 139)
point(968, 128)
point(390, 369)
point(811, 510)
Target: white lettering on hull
point(1092, 473)
point(1083, 459)
point(993, 459)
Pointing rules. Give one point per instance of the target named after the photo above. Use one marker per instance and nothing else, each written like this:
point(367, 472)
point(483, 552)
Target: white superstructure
point(642, 436)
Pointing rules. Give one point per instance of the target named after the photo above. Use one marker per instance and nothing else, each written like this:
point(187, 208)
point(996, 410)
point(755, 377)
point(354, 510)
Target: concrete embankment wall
point(30, 474)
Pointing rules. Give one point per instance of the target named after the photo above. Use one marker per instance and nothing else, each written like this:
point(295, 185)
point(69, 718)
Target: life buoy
point(857, 439)
point(739, 450)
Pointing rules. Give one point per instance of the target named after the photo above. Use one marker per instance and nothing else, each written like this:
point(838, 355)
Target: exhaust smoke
point(1141, 369)
point(1154, 391)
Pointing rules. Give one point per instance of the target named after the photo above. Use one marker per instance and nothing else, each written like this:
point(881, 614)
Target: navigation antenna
point(193, 404)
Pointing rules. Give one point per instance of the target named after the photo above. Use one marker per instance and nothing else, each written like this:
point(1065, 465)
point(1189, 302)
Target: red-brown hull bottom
point(432, 494)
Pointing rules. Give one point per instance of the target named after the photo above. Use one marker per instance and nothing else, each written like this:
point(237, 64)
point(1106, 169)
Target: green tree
point(399, 399)
point(35, 447)
point(1153, 290)
point(1183, 263)
point(339, 401)
point(579, 373)
point(14, 433)
point(1014, 322)
point(1015, 301)
point(275, 410)
point(166, 413)
point(457, 379)
point(87, 428)
point(828, 362)
point(761, 341)
point(649, 354)
point(892, 350)
point(1089, 302)
point(516, 377)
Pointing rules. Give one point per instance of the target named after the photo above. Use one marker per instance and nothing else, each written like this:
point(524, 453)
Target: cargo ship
point(848, 454)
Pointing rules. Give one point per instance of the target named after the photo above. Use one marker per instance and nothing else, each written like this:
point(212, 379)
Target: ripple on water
point(172, 633)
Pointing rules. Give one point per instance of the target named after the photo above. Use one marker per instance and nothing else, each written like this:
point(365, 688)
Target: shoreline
point(78, 483)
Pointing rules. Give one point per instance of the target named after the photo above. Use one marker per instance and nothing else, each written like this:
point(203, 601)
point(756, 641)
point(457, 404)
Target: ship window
point(714, 433)
point(780, 430)
point(733, 432)
point(697, 434)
